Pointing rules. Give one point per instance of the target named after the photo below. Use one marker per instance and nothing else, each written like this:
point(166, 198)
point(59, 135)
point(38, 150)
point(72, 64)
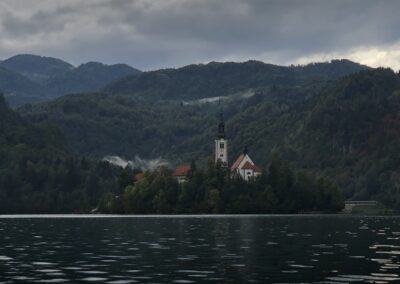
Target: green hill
point(36, 68)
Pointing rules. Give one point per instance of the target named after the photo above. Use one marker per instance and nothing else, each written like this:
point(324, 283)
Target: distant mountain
point(36, 68)
point(31, 78)
point(34, 78)
point(88, 77)
point(221, 79)
point(18, 87)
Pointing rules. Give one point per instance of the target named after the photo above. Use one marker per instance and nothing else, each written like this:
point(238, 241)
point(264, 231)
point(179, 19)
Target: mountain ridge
point(37, 68)
point(32, 78)
point(214, 79)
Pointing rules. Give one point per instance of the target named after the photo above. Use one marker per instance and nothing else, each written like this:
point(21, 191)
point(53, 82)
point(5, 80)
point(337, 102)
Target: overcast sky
point(152, 34)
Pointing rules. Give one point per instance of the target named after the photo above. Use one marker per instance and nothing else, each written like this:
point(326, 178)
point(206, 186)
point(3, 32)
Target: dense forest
point(39, 175)
point(342, 127)
point(215, 190)
point(352, 134)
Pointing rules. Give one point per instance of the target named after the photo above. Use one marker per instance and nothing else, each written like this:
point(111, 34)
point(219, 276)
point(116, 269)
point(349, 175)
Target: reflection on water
point(208, 249)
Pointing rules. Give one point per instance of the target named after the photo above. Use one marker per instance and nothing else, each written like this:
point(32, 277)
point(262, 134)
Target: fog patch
point(137, 162)
point(240, 95)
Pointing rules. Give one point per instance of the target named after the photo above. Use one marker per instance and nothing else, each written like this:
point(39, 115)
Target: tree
point(213, 201)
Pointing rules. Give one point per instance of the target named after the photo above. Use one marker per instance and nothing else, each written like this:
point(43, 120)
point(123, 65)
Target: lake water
point(206, 249)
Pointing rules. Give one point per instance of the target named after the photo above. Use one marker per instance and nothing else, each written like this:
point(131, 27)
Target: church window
point(221, 145)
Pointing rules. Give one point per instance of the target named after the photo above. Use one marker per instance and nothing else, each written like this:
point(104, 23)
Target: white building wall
point(181, 179)
point(246, 174)
point(221, 150)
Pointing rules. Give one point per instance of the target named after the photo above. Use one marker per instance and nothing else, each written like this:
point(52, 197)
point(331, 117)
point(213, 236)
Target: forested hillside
point(346, 128)
point(221, 79)
point(131, 123)
point(99, 124)
point(134, 123)
point(353, 134)
point(39, 175)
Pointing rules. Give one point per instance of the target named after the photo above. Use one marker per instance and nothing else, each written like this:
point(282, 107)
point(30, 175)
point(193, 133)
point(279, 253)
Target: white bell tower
point(221, 143)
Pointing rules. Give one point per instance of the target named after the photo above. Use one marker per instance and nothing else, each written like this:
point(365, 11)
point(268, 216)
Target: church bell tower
point(221, 144)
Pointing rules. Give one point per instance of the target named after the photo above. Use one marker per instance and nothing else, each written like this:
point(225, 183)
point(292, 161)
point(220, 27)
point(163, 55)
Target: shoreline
point(188, 216)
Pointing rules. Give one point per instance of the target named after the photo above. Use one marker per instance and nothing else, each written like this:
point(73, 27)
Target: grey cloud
point(160, 33)
point(40, 22)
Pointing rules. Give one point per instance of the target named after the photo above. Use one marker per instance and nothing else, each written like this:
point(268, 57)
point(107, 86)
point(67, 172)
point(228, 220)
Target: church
point(243, 165)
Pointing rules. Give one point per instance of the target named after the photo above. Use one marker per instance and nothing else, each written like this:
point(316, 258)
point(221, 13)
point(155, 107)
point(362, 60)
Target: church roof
point(182, 170)
point(237, 162)
point(249, 166)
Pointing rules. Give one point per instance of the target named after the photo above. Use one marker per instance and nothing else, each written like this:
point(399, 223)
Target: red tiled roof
point(182, 170)
point(139, 176)
point(249, 166)
point(237, 162)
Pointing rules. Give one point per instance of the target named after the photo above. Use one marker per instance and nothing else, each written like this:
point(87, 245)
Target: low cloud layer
point(151, 34)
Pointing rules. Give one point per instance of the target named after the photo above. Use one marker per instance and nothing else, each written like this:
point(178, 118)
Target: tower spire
point(221, 129)
point(221, 125)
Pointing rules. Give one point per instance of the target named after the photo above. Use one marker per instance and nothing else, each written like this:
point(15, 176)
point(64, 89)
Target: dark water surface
point(207, 249)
